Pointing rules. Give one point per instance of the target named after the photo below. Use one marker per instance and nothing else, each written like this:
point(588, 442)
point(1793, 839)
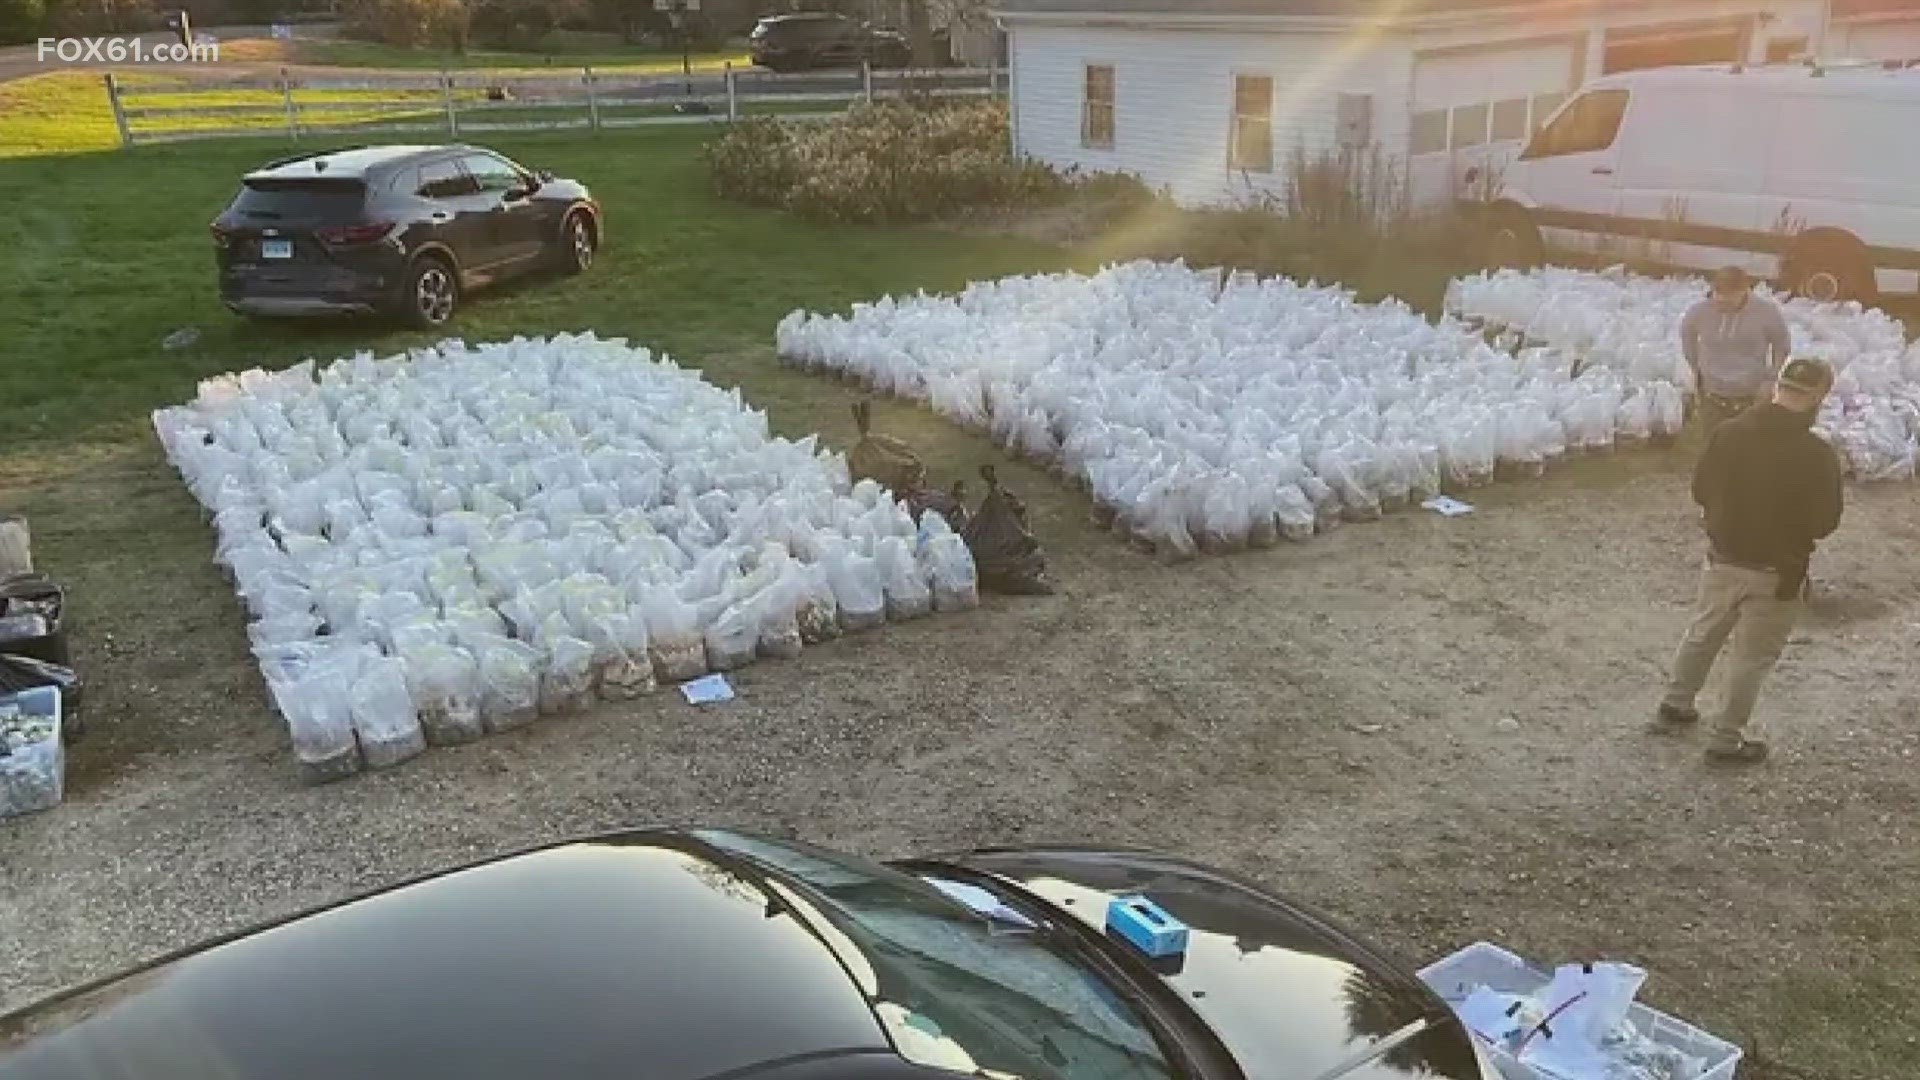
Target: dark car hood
point(1287, 992)
point(647, 955)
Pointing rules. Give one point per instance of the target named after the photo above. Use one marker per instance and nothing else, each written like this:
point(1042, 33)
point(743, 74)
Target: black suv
point(402, 230)
point(822, 39)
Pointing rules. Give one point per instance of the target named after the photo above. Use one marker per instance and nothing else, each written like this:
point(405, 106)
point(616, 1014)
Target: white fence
point(456, 103)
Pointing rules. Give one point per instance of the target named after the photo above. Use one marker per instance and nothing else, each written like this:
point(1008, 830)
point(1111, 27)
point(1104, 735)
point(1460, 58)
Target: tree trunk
point(920, 33)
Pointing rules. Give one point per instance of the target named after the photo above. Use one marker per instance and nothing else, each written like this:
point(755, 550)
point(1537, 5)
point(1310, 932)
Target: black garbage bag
point(19, 673)
point(1005, 554)
point(950, 504)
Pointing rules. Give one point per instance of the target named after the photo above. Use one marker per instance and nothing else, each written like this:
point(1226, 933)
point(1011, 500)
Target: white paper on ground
point(707, 689)
point(1447, 507)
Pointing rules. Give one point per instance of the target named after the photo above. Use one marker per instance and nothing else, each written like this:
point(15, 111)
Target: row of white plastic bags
point(1213, 411)
point(449, 543)
point(1631, 323)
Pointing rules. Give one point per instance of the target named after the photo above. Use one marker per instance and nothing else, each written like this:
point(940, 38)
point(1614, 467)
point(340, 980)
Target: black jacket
point(1771, 490)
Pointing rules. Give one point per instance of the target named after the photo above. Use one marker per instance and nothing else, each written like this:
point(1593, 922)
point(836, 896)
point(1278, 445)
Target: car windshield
point(984, 994)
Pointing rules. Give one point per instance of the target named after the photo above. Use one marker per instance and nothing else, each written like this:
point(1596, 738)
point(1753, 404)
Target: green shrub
point(408, 24)
point(883, 162)
point(21, 20)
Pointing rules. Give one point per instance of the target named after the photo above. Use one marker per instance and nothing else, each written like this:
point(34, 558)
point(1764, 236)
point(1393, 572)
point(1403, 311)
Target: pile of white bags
point(1631, 324)
point(1216, 412)
point(450, 543)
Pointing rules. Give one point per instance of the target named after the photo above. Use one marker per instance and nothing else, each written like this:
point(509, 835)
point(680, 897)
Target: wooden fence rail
point(452, 102)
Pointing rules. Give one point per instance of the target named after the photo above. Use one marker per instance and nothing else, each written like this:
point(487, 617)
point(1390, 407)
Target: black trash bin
point(36, 594)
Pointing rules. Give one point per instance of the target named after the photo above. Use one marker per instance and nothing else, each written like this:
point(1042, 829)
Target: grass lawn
point(101, 277)
point(66, 112)
point(366, 54)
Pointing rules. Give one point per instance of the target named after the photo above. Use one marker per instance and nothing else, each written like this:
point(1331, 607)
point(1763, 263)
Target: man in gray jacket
point(1735, 342)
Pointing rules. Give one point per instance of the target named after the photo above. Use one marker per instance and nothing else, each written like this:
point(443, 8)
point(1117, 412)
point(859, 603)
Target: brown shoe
point(1744, 752)
point(1672, 719)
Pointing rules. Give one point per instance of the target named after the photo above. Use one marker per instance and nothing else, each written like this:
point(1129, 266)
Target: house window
point(1096, 110)
point(1429, 132)
point(1510, 120)
point(1251, 140)
point(1469, 126)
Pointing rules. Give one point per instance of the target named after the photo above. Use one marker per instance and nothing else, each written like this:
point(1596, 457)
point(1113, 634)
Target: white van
point(1804, 175)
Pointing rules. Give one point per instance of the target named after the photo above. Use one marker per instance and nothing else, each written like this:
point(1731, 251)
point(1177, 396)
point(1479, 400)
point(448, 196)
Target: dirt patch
point(1327, 717)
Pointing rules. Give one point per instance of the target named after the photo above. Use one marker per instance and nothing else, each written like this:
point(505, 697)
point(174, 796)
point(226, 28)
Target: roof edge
point(1177, 20)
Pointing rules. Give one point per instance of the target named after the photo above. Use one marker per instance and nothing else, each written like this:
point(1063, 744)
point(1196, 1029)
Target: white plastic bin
point(32, 778)
point(1486, 964)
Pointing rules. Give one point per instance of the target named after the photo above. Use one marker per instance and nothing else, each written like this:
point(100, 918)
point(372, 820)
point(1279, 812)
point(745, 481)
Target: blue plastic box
point(1146, 926)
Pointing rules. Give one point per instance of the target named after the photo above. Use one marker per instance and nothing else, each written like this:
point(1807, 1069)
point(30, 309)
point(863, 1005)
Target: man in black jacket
point(1771, 490)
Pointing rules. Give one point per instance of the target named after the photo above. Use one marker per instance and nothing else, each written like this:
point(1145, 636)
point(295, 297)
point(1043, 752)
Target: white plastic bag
point(956, 584)
point(384, 720)
point(907, 594)
point(857, 591)
point(444, 682)
point(819, 614)
point(509, 683)
point(567, 683)
point(674, 641)
point(732, 639)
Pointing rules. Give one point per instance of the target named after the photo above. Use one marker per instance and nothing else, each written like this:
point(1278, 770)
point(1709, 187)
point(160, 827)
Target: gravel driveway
point(1329, 717)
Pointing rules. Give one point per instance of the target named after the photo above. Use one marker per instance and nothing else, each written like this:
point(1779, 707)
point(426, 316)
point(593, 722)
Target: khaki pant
point(1736, 603)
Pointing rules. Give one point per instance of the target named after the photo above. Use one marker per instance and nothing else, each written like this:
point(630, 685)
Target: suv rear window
point(315, 197)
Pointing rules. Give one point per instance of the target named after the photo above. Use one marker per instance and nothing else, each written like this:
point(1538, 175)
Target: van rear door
point(1569, 170)
point(1693, 171)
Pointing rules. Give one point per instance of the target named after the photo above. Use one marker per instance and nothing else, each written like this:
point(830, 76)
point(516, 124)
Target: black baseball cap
point(1807, 373)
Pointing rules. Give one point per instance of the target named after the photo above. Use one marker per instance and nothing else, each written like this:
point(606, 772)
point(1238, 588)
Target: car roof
point(644, 954)
point(357, 162)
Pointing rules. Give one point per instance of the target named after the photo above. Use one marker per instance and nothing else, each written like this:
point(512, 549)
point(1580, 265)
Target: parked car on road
point(401, 230)
point(1804, 175)
point(806, 40)
point(708, 953)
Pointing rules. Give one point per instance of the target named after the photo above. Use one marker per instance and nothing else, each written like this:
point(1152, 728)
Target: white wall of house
point(1888, 40)
point(1439, 96)
point(1174, 92)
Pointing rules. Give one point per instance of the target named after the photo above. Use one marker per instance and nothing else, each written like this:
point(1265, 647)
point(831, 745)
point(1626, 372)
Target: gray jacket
point(1738, 354)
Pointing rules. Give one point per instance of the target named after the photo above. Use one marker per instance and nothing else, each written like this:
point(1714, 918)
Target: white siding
point(1174, 100)
point(1878, 41)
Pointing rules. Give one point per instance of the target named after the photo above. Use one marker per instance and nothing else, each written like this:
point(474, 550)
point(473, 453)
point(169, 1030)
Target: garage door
point(1471, 97)
point(1494, 74)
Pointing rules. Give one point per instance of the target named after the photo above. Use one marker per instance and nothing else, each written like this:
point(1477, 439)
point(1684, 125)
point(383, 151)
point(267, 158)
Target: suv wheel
point(582, 243)
point(432, 293)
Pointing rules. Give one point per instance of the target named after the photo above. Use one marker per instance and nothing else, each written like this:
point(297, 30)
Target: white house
point(1210, 98)
point(1887, 30)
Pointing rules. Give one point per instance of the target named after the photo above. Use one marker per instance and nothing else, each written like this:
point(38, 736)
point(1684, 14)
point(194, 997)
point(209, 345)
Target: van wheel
point(1831, 270)
point(1513, 241)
